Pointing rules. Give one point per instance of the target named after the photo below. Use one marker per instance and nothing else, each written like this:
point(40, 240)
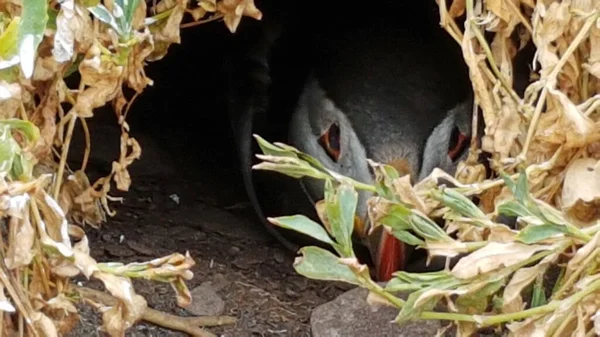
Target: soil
point(206, 213)
point(187, 195)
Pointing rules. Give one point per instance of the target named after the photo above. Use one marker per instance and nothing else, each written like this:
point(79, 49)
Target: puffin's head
point(368, 98)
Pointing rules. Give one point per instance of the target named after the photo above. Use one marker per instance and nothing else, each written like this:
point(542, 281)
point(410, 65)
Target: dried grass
point(44, 203)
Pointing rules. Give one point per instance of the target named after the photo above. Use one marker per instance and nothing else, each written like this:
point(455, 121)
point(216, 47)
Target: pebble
point(118, 250)
point(233, 251)
point(140, 248)
point(350, 315)
point(205, 301)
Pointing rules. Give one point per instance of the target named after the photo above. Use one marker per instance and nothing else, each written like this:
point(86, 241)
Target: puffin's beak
point(387, 252)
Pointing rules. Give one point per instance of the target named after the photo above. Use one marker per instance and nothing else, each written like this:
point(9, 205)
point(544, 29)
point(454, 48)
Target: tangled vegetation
point(543, 147)
point(541, 278)
point(44, 203)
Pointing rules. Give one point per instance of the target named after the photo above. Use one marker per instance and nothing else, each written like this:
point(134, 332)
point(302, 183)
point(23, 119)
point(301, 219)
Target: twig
point(189, 325)
point(88, 144)
point(200, 22)
point(64, 153)
point(550, 81)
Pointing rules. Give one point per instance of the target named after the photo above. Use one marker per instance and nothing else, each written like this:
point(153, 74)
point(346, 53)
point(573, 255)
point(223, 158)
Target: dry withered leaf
point(76, 200)
point(233, 10)
point(112, 321)
point(504, 130)
point(500, 8)
point(168, 30)
point(44, 324)
point(121, 288)
point(493, 256)
point(549, 24)
point(135, 75)
point(5, 304)
point(405, 191)
point(22, 235)
point(577, 261)
point(457, 8)
point(512, 299)
point(119, 169)
point(447, 249)
point(10, 99)
point(581, 190)
point(103, 81)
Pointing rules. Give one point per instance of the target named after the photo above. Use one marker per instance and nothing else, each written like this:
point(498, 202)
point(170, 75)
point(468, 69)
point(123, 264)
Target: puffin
point(345, 84)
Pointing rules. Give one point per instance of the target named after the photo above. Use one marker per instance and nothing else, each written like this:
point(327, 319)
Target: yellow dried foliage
point(553, 132)
point(44, 203)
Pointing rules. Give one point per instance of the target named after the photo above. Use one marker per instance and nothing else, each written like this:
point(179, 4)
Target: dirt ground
point(184, 202)
point(187, 195)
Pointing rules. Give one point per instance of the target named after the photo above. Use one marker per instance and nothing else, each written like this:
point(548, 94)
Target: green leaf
point(9, 40)
point(12, 160)
point(52, 14)
point(458, 203)
point(384, 178)
point(22, 169)
point(513, 208)
point(8, 150)
point(90, 3)
point(408, 238)
point(477, 300)
point(319, 264)
point(34, 19)
point(129, 7)
point(512, 186)
point(29, 130)
point(398, 217)
point(538, 297)
point(404, 281)
point(340, 210)
point(427, 229)
point(521, 191)
point(535, 233)
point(549, 214)
point(273, 150)
point(304, 225)
point(103, 14)
point(410, 310)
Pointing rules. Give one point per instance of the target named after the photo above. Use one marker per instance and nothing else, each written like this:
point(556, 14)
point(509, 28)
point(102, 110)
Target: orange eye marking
point(458, 143)
point(330, 142)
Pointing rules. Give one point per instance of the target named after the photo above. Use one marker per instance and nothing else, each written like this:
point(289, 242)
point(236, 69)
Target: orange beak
point(387, 252)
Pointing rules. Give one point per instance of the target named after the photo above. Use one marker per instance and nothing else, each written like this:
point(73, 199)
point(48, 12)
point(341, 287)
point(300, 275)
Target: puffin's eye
point(458, 144)
point(330, 142)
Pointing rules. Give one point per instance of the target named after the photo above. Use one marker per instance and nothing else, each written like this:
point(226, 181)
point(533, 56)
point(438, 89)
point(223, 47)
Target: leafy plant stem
point(573, 277)
point(578, 296)
point(377, 289)
point(63, 158)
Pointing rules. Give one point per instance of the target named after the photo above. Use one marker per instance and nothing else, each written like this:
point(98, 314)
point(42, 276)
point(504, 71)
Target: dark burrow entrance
point(187, 195)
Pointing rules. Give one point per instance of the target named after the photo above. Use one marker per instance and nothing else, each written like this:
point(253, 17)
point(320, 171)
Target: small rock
point(219, 282)
point(292, 294)
point(118, 250)
point(246, 262)
point(199, 236)
point(205, 301)
point(278, 257)
point(139, 247)
point(350, 315)
point(233, 251)
point(106, 237)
